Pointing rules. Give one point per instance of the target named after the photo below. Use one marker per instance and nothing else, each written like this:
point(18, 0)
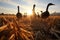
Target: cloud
point(15, 4)
point(7, 10)
point(24, 8)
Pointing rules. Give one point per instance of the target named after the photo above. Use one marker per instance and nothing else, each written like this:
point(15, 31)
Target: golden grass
point(26, 29)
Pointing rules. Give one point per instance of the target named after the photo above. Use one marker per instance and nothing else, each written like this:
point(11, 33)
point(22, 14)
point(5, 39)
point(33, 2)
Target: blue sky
point(10, 6)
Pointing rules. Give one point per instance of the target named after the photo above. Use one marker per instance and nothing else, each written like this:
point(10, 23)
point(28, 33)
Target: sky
point(10, 6)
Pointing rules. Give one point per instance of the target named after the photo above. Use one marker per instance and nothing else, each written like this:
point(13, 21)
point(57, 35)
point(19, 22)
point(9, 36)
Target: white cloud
point(25, 7)
point(39, 6)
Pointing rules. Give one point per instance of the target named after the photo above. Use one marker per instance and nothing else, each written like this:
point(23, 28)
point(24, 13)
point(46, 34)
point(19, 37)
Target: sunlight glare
point(29, 12)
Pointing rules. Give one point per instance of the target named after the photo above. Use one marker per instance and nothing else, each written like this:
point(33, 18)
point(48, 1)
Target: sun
point(29, 12)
